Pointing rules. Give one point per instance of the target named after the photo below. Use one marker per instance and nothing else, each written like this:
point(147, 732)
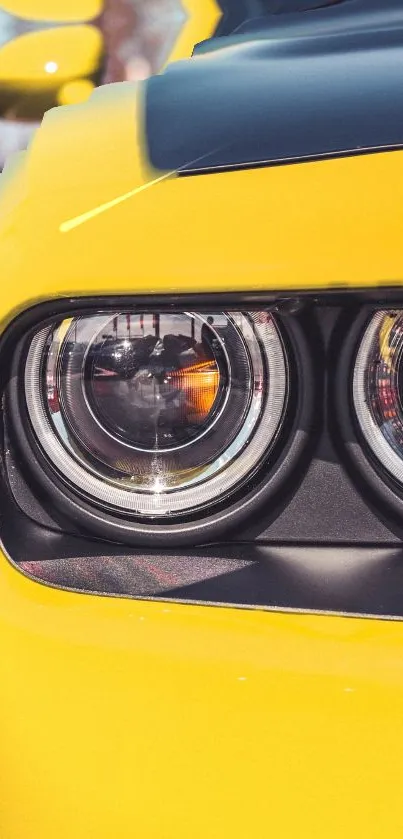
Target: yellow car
point(201, 586)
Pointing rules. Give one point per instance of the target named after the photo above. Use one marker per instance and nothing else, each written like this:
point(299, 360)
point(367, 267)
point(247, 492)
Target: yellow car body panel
point(49, 58)
point(131, 230)
point(55, 10)
point(126, 718)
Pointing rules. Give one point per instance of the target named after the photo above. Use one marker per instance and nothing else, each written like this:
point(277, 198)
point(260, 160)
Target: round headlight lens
point(378, 389)
point(157, 414)
point(154, 392)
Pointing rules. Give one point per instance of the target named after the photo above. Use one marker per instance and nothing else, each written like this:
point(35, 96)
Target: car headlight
point(154, 419)
point(378, 390)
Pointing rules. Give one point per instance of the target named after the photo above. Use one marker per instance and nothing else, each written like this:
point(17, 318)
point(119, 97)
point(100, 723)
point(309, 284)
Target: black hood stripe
point(300, 86)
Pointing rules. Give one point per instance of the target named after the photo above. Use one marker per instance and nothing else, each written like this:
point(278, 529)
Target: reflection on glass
point(151, 396)
point(156, 381)
point(157, 413)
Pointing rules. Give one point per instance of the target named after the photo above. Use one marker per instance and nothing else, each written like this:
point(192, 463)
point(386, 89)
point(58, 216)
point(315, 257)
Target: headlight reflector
point(378, 389)
point(157, 414)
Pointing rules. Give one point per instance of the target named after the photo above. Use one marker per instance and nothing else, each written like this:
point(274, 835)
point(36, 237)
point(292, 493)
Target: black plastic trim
point(264, 563)
point(285, 161)
point(359, 581)
point(26, 319)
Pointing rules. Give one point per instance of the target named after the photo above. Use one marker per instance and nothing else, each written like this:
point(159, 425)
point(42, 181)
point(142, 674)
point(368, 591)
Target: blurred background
point(55, 52)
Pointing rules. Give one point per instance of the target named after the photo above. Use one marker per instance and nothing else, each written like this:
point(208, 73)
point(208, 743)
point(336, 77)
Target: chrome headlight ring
point(228, 432)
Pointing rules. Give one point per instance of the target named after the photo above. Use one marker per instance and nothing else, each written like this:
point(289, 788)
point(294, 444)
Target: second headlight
point(377, 390)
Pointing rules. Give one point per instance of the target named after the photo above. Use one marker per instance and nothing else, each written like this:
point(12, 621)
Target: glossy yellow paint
point(71, 52)
point(95, 218)
point(54, 10)
point(122, 718)
point(202, 19)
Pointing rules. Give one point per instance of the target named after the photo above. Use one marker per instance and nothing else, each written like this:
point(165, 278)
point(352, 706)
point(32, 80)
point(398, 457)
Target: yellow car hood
point(83, 212)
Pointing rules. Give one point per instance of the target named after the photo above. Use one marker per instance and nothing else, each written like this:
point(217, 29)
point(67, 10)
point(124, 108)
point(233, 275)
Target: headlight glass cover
point(378, 389)
point(157, 414)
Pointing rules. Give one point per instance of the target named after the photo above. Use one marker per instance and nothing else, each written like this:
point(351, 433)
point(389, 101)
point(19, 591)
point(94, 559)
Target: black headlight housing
point(317, 523)
point(161, 425)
